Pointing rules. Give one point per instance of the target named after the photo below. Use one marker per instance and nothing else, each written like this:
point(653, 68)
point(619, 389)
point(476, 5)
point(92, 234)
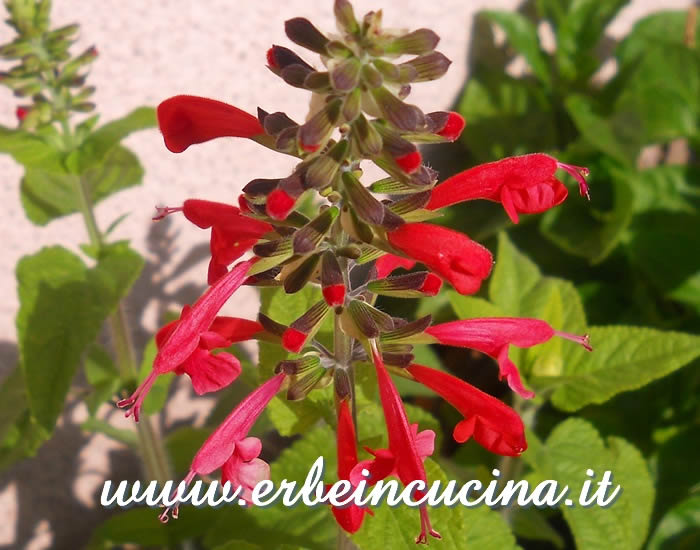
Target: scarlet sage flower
point(230, 448)
point(232, 233)
point(493, 336)
point(185, 120)
point(349, 517)
point(389, 262)
point(186, 343)
point(494, 425)
point(450, 254)
point(402, 457)
point(524, 184)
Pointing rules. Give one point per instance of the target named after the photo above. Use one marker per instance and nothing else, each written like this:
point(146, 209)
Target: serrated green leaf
point(514, 276)
point(575, 446)
point(397, 528)
point(522, 35)
point(624, 358)
point(62, 306)
point(30, 150)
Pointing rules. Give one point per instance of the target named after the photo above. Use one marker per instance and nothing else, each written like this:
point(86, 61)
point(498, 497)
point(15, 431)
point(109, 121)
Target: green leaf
point(580, 228)
point(575, 446)
point(666, 187)
point(29, 150)
point(140, 526)
point(183, 444)
point(679, 528)
point(522, 35)
point(396, 528)
point(13, 401)
point(661, 246)
point(624, 358)
point(47, 195)
point(596, 130)
point(102, 375)
point(96, 147)
point(468, 307)
point(531, 523)
point(62, 307)
point(579, 32)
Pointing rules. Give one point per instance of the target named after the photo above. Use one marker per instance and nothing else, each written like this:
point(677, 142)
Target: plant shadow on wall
point(46, 485)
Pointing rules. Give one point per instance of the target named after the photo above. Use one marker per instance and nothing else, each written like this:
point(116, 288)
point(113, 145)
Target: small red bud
point(334, 295)
point(293, 340)
point(279, 204)
point(432, 284)
point(271, 61)
point(21, 113)
point(410, 163)
point(454, 126)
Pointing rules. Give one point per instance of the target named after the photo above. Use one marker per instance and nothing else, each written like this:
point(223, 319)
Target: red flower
point(389, 262)
point(185, 344)
point(185, 120)
point(229, 448)
point(524, 184)
point(232, 234)
point(494, 425)
point(21, 113)
point(492, 336)
point(406, 452)
point(349, 517)
point(450, 254)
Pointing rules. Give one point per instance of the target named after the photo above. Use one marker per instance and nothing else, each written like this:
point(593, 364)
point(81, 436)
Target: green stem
point(151, 446)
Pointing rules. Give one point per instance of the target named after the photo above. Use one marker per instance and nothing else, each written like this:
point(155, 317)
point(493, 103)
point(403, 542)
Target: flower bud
point(297, 279)
point(279, 57)
point(352, 105)
point(345, 76)
point(365, 138)
point(410, 330)
point(345, 17)
point(301, 330)
point(428, 67)
point(402, 115)
point(418, 42)
point(310, 236)
point(323, 169)
point(301, 31)
point(316, 131)
point(332, 282)
point(411, 285)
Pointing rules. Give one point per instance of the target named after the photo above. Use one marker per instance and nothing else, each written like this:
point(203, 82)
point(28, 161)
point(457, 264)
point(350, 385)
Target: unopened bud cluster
point(46, 77)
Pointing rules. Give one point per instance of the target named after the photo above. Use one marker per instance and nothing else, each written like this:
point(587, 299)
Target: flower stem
point(150, 444)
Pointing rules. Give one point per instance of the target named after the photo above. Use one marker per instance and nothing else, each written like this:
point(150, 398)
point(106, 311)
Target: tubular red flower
point(450, 254)
point(524, 184)
point(185, 120)
point(349, 517)
point(229, 442)
point(407, 463)
point(232, 234)
point(185, 343)
point(387, 263)
point(279, 204)
point(494, 425)
point(492, 336)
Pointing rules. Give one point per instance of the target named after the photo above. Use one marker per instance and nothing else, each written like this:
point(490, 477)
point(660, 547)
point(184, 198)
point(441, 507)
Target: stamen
point(135, 400)
point(584, 340)
point(425, 526)
point(580, 173)
point(162, 211)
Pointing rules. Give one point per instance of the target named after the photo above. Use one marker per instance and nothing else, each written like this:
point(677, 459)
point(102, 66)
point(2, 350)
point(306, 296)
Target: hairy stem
point(150, 444)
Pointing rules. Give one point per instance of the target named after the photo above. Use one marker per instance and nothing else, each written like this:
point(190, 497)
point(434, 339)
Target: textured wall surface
point(149, 50)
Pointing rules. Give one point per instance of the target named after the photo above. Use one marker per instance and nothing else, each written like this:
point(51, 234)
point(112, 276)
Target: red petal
point(493, 424)
point(235, 329)
point(409, 163)
point(454, 126)
point(211, 372)
point(386, 264)
point(334, 295)
point(293, 340)
point(185, 120)
point(279, 204)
